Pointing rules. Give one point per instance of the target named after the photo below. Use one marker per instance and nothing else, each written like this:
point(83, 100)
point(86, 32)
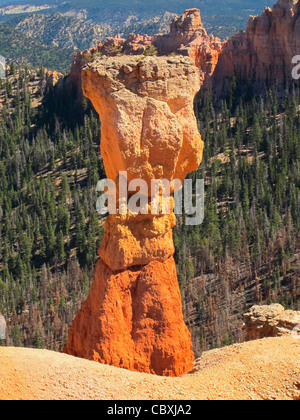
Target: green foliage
point(251, 228)
point(23, 50)
point(49, 230)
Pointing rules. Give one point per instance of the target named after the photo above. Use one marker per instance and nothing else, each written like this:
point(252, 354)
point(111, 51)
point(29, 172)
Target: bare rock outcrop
point(149, 127)
point(133, 315)
point(143, 89)
point(262, 55)
point(135, 44)
point(133, 319)
point(271, 321)
point(187, 37)
point(146, 110)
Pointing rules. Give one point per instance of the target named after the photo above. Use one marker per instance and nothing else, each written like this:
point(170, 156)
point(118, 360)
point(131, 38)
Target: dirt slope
point(263, 369)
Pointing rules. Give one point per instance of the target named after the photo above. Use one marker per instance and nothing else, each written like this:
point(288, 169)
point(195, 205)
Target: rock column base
point(133, 320)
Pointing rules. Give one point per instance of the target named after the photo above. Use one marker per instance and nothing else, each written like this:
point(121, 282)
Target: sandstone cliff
point(133, 315)
point(262, 55)
point(188, 37)
point(52, 78)
point(148, 128)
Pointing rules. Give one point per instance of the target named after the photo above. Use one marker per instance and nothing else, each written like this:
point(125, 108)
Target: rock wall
point(262, 55)
point(271, 321)
point(133, 316)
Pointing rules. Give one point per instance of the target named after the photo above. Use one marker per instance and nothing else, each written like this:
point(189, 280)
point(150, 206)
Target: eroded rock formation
point(187, 37)
point(133, 319)
point(271, 321)
point(262, 55)
point(133, 315)
point(52, 78)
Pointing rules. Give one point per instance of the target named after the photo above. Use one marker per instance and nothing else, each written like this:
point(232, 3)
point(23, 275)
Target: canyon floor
point(263, 369)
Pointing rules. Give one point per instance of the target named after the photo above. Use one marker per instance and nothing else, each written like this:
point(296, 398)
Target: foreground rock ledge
point(133, 316)
point(265, 369)
point(271, 321)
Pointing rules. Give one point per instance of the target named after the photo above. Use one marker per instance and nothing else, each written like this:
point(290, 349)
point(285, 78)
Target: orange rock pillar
point(133, 317)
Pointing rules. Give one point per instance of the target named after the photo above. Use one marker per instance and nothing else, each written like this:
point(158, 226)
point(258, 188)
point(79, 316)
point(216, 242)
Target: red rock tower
point(133, 317)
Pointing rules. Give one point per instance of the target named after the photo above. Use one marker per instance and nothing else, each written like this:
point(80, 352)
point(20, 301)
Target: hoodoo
point(133, 315)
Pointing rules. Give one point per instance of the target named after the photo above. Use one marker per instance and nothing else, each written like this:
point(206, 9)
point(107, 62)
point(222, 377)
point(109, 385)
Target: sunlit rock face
point(148, 126)
point(271, 321)
point(187, 37)
point(133, 315)
point(262, 55)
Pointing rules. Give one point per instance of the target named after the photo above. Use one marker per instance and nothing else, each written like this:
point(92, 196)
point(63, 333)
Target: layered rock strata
point(187, 37)
point(149, 130)
point(262, 55)
point(133, 315)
